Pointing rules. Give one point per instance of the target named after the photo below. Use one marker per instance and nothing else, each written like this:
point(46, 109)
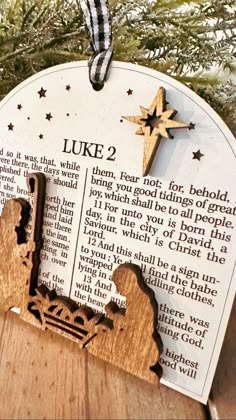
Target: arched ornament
point(177, 223)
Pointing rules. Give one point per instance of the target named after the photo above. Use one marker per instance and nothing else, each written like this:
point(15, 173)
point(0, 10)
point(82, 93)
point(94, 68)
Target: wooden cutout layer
point(155, 123)
point(126, 338)
point(19, 255)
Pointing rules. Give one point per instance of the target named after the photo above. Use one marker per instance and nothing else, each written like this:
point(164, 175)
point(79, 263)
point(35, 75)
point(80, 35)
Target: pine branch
point(180, 38)
point(14, 54)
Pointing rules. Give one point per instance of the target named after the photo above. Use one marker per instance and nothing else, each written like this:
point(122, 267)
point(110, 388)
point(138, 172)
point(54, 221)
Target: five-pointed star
point(48, 116)
point(155, 123)
point(197, 155)
point(42, 93)
point(10, 127)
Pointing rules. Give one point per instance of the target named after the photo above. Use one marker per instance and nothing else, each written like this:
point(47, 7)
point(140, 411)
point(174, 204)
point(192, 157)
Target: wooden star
point(49, 116)
point(197, 155)
point(155, 123)
point(42, 93)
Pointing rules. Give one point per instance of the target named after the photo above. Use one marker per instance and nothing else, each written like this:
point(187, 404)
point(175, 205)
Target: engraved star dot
point(129, 92)
point(191, 126)
point(41, 136)
point(42, 93)
point(68, 87)
point(197, 155)
point(155, 123)
point(19, 106)
point(49, 116)
point(10, 127)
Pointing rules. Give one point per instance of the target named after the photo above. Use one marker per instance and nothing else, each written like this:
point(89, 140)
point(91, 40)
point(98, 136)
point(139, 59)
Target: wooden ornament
point(19, 255)
point(133, 343)
point(126, 338)
point(155, 123)
point(177, 224)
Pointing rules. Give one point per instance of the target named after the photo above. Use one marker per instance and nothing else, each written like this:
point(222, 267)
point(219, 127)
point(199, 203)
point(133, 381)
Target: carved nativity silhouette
point(126, 338)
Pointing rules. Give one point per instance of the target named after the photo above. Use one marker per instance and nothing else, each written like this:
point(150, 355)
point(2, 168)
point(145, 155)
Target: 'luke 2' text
point(93, 150)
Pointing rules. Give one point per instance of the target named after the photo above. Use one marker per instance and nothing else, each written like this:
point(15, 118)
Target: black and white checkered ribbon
point(97, 18)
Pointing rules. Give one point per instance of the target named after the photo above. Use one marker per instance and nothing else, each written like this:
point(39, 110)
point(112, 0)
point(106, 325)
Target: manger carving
point(125, 337)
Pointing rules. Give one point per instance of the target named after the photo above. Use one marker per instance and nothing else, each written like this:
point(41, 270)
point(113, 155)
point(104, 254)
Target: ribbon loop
point(98, 21)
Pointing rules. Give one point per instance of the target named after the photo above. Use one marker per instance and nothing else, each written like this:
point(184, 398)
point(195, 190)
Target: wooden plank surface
point(45, 376)
point(223, 396)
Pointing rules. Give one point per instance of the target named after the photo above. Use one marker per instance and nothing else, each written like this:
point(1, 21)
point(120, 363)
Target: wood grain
point(126, 338)
point(44, 376)
point(155, 123)
point(223, 396)
point(19, 255)
point(15, 254)
point(132, 343)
